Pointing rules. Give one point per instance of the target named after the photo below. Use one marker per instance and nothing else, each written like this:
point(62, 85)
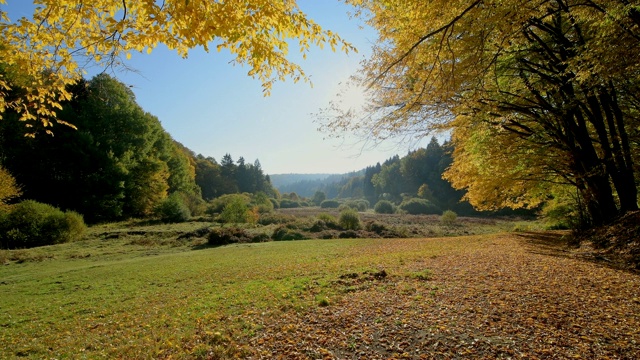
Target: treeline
point(397, 180)
point(119, 163)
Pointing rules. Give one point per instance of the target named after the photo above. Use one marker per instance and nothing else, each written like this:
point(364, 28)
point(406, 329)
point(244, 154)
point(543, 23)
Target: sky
point(214, 108)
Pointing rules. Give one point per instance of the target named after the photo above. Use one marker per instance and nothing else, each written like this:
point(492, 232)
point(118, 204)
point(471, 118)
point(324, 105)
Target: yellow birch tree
point(43, 54)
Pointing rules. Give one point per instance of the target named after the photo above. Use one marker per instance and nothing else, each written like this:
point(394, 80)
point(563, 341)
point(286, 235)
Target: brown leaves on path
point(511, 297)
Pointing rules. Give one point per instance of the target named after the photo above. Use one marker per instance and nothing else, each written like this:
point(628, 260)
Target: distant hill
point(307, 184)
point(281, 180)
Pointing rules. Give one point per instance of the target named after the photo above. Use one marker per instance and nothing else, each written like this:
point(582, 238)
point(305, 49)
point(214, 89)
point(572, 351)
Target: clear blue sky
point(214, 108)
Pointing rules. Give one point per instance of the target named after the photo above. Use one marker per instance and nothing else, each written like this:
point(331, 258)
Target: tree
point(9, 189)
point(319, 197)
point(535, 92)
point(41, 55)
point(119, 163)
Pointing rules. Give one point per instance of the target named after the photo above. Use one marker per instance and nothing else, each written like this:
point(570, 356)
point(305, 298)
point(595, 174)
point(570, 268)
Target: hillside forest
point(120, 164)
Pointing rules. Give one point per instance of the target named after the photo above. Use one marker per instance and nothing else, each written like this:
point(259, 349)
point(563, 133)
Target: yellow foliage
point(41, 56)
point(488, 71)
point(9, 189)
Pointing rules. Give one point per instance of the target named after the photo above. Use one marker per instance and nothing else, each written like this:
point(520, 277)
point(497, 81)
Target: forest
point(119, 163)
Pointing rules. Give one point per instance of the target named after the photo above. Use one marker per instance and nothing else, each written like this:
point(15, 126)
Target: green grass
point(128, 297)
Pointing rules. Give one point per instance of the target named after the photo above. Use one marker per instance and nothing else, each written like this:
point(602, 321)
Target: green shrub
point(194, 203)
point(384, 207)
point(262, 203)
point(330, 204)
point(31, 224)
point(449, 218)
point(318, 226)
point(225, 236)
point(282, 233)
point(237, 211)
point(349, 220)
point(349, 234)
point(275, 202)
point(275, 218)
point(358, 205)
point(330, 221)
point(217, 205)
point(417, 206)
point(289, 204)
point(173, 209)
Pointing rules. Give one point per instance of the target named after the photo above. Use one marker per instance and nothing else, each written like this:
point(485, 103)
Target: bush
point(283, 233)
point(173, 209)
point(349, 220)
point(358, 205)
point(193, 202)
point(449, 218)
point(289, 204)
point(275, 202)
point(419, 206)
point(329, 220)
point(225, 236)
point(262, 203)
point(349, 234)
point(384, 207)
point(31, 224)
point(330, 204)
point(275, 218)
point(237, 211)
point(217, 205)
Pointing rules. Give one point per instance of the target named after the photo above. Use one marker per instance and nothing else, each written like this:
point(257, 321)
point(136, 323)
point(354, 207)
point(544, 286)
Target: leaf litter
point(514, 297)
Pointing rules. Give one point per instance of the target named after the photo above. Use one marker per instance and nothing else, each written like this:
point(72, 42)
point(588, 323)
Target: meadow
point(144, 291)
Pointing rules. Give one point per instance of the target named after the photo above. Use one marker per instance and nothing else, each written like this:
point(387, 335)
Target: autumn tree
point(9, 189)
point(535, 93)
point(43, 54)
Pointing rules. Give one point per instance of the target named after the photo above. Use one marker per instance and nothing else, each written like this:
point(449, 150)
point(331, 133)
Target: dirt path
point(519, 296)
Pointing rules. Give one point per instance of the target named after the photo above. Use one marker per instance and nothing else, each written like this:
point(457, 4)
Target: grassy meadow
point(140, 292)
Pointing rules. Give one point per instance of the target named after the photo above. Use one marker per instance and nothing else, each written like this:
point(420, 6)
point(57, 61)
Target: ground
point(140, 290)
point(517, 296)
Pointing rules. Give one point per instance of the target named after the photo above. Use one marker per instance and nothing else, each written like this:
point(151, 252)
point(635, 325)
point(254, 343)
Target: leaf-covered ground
point(519, 296)
point(513, 295)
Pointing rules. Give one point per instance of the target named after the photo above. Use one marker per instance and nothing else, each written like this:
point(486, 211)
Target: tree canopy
point(536, 94)
point(44, 54)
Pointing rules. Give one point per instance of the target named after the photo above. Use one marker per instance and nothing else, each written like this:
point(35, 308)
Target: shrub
point(217, 205)
point(318, 226)
point(275, 218)
point(449, 218)
point(282, 233)
point(349, 234)
point(194, 203)
point(262, 237)
point(173, 209)
point(419, 206)
point(289, 204)
point(262, 203)
point(330, 204)
point(329, 220)
point(349, 220)
point(237, 211)
point(31, 224)
point(384, 207)
point(275, 202)
point(225, 236)
point(358, 205)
